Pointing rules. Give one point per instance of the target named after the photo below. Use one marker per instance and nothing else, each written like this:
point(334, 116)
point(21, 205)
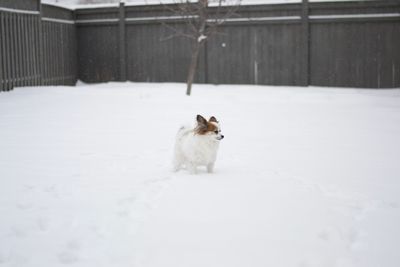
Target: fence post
point(2, 35)
point(40, 37)
point(122, 42)
point(305, 43)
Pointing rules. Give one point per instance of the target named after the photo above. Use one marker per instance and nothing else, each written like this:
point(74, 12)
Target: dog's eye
point(216, 132)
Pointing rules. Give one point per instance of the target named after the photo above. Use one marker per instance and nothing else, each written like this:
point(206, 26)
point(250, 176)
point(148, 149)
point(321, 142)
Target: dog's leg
point(177, 162)
point(210, 167)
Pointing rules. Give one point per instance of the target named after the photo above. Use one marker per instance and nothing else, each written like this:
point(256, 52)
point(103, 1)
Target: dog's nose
point(222, 137)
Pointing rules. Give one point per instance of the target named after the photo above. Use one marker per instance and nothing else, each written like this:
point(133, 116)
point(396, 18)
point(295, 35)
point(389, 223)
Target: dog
point(197, 146)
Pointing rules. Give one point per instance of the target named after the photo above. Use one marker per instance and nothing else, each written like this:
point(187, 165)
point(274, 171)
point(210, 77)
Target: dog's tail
point(178, 156)
point(183, 130)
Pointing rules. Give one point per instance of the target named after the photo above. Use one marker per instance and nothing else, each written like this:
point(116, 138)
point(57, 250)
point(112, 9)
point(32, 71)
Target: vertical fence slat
point(38, 49)
point(32, 61)
point(59, 53)
point(46, 50)
point(44, 55)
point(24, 55)
point(22, 45)
point(27, 50)
point(305, 43)
point(63, 54)
point(32, 56)
point(2, 36)
point(50, 53)
point(17, 49)
point(6, 45)
point(75, 53)
point(13, 50)
point(18, 54)
point(39, 43)
point(122, 43)
point(56, 53)
point(68, 55)
point(54, 60)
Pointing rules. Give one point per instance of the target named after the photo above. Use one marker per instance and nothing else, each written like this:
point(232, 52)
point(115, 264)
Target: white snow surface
point(304, 177)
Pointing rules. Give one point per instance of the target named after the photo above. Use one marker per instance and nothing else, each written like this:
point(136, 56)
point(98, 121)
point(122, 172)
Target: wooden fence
point(342, 44)
point(37, 45)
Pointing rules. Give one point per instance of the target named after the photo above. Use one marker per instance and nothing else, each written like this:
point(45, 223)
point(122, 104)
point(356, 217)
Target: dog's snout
point(222, 136)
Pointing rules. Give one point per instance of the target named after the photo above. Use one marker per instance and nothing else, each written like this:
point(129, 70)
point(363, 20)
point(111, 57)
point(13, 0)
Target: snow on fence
point(342, 44)
point(37, 45)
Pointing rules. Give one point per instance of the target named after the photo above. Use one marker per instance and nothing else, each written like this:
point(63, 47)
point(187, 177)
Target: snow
point(201, 38)
point(304, 177)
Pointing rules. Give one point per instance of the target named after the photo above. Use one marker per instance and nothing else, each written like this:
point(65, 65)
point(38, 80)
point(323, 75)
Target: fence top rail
point(354, 4)
point(19, 11)
point(353, 16)
point(64, 21)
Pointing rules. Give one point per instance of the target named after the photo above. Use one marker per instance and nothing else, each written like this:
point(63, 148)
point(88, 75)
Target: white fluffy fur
point(193, 150)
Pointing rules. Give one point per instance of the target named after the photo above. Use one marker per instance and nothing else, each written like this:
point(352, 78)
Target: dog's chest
point(201, 151)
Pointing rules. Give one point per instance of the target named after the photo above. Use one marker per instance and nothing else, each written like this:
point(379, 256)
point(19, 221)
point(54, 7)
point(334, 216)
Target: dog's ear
point(213, 119)
point(201, 121)
point(201, 125)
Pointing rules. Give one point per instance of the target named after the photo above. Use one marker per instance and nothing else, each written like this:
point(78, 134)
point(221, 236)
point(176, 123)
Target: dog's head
point(210, 128)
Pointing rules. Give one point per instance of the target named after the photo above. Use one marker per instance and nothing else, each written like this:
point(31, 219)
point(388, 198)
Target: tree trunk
point(193, 67)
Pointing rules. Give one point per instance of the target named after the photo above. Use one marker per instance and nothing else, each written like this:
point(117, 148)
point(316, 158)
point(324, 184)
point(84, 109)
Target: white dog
point(197, 146)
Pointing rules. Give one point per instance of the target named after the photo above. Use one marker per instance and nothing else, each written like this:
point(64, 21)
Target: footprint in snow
point(43, 224)
point(18, 232)
point(4, 257)
point(24, 206)
point(67, 257)
point(323, 235)
point(70, 256)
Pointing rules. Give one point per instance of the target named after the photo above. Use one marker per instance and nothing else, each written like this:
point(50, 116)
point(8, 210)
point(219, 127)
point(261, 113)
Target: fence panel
point(168, 60)
point(58, 42)
point(16, 46)
point(98, 54)
point(22, 62)
point(355, 44)
point(98, 44)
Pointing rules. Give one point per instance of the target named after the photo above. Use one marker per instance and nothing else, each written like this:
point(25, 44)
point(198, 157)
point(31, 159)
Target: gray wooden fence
point(37, 45)
point(345, 44)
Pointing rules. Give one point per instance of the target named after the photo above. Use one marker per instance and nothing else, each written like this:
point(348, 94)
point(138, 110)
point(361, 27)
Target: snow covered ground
point(304, 177)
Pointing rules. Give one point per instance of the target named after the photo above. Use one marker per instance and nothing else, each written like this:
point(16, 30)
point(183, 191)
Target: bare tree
point(202, 19)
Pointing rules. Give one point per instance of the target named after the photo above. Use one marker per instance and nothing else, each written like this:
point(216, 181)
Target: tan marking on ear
point(203, 129)
point(211, 127)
